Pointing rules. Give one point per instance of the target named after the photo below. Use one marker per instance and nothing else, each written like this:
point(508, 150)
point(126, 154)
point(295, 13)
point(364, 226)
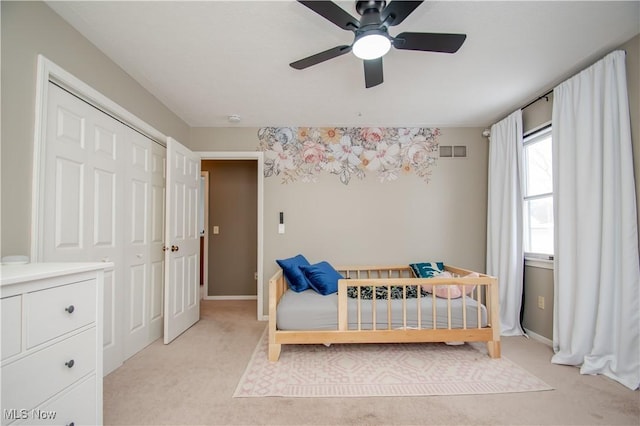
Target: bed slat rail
point(359, 277)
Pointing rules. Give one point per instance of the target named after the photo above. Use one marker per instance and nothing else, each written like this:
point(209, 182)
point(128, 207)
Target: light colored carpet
point(404, 369)
point(192, 381)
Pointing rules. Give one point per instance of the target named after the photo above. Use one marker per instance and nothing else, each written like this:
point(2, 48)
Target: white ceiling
point(209, 59)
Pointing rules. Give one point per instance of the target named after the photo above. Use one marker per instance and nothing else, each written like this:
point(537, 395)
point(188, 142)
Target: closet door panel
point(105, 186)
point(69, 206)
point(65, 179)
point(82, 202)
point(105, 217)
point(104, 190)
point(137, 250)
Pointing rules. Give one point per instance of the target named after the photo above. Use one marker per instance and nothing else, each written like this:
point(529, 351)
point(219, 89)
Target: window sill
point(536, 262)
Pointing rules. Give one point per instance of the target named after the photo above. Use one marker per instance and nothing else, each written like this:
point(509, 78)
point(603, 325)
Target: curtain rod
point(487, 133)
point(545, 95)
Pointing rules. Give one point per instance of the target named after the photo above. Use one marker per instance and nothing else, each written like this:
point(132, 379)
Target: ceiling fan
point(372, 40)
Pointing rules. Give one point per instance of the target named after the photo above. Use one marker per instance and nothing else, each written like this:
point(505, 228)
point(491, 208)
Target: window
point(538, 194)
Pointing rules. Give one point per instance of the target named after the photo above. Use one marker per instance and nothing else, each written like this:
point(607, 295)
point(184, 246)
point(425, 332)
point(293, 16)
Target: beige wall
point(29, 29)
point(368, 222)
point(537, 114)
point(633, 86)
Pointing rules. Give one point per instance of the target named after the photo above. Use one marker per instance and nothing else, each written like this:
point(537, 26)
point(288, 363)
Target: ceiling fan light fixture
point(371, 45)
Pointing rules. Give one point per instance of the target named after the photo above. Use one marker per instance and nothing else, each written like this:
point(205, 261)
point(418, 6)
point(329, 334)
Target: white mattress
point(309, 310)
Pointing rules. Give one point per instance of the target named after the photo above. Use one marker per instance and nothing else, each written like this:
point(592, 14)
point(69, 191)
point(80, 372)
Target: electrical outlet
point(540, 302)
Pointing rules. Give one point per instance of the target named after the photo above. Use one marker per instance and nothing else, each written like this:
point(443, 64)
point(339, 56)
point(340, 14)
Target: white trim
point(205, 248)
point(539, 338)
point(259, 157)
point(538, 263)
point(230, 297)
point(89, 94)
point(49, 71)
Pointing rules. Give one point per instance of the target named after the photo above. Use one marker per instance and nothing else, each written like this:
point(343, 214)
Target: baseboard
point(230, 298)
point(539, 338)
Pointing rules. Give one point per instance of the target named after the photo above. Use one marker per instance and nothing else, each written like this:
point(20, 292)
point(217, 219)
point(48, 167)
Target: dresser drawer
point(33, 379)
point(76, 406)
point(59, 310)
point(11, 310)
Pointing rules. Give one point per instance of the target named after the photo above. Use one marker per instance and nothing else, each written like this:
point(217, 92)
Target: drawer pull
point(70, 424)
point(69, 363)
point(70, 309)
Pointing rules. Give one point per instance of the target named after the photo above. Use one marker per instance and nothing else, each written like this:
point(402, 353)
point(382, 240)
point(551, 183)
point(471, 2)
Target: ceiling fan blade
point(320, 57)
point(334, 13)
point(372, 72)
point(397, 11)
point(429, 42)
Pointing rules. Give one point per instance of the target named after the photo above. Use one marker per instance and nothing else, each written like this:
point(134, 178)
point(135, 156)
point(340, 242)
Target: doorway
point(234, 260)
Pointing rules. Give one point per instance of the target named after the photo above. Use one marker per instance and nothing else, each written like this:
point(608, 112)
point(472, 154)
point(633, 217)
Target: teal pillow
point(291, 269)
point(322, 277)
point(427, 269)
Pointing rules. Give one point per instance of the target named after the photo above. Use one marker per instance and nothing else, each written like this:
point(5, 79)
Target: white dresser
point(51, 348)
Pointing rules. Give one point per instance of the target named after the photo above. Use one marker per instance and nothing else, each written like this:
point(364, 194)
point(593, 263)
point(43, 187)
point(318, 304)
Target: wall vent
point(457, 151)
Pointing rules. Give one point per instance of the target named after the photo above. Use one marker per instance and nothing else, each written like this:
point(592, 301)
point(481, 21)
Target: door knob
point(175, 248)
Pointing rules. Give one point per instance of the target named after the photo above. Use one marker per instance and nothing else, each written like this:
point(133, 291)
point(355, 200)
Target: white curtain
point(505, 257)
point(597, 272)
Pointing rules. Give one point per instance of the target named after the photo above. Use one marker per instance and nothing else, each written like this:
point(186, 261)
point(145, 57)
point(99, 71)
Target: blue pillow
point(322, 277)
point(427, 269)
point(291, 268)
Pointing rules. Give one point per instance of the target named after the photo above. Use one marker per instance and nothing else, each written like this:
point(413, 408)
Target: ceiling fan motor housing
point(370, 6)
point(370, 12)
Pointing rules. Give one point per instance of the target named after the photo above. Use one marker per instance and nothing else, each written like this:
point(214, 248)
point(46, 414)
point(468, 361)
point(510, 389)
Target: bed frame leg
point(274, 351)
point(493, 347)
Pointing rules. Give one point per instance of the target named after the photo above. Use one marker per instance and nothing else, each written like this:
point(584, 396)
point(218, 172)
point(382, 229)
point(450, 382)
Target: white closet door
point(144, 239)
point(81, 216)
point(137, 229)
point(103, 200)
point(182, 300)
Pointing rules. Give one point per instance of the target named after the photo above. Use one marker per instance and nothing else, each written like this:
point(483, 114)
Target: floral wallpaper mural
point(302, 153)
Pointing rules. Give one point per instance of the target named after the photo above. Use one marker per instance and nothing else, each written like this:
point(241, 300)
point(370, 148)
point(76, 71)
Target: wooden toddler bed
point(401, 319)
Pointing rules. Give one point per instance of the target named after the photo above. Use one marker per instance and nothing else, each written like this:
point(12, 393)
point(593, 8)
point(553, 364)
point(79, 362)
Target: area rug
point(394, 369)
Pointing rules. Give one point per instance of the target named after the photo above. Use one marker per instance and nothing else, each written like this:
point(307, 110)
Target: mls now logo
point(23, 414)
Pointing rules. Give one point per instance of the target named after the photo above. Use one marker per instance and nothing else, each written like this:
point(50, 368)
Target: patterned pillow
point(366, 293)
point(427, 269)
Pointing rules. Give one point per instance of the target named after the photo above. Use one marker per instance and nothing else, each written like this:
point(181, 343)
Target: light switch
point(216, 230)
